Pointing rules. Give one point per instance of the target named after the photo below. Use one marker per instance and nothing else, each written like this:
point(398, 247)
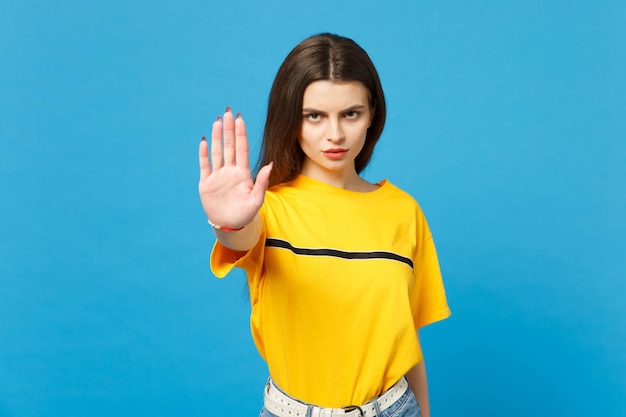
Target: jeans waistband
point(282, 405)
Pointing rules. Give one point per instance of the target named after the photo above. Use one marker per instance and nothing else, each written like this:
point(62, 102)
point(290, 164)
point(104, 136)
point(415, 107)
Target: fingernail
point(238, 115)
point(228, 109)
point(203, 139)
point(219, 117)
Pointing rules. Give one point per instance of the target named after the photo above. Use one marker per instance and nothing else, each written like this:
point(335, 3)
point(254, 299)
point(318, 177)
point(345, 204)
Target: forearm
point(419, 385)
point(241, 240)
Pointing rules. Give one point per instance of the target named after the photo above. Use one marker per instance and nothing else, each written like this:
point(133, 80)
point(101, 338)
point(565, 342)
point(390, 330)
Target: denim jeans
point(406, 406)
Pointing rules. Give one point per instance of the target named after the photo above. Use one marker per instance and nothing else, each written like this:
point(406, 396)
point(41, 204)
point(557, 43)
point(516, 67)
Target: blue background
point(506, 121)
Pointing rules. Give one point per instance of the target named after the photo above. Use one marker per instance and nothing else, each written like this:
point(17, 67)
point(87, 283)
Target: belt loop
point(377, 408)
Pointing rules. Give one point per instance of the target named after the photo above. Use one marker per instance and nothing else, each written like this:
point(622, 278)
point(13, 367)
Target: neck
point(348, 181)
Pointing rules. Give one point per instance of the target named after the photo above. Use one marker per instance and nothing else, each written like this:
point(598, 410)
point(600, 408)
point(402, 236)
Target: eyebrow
point(351, 108)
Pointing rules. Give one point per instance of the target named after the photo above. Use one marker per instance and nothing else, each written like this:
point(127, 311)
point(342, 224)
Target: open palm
point(229, 195)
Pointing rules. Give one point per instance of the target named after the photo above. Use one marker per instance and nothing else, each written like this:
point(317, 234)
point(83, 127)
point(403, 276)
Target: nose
point(335, 132)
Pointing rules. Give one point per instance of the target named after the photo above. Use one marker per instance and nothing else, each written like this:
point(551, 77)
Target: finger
point(203, 153)
point(229, 137)
point(242, 155)
point(261, 183)
point(216, 144)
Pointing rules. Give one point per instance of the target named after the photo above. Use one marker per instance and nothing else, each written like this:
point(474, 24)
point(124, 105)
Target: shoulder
point(399, 194)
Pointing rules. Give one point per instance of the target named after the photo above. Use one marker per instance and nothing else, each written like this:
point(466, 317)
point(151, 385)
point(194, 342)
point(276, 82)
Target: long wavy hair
point(325, 57)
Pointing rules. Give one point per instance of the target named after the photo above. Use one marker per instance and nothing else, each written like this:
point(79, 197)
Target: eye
point(352, 114)
point(312, 117)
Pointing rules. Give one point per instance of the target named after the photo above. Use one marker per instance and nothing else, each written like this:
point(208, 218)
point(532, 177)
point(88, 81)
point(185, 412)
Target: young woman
point(342, 272)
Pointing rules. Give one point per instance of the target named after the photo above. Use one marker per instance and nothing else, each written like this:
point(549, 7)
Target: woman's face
point(335, 118)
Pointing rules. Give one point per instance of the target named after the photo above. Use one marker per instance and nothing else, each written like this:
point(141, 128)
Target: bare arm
point(230, 197)
point(241, 240)
point(419, 385)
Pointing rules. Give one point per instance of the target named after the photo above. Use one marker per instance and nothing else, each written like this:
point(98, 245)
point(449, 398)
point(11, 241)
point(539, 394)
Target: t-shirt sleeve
point(429, 299)
point(224, 259)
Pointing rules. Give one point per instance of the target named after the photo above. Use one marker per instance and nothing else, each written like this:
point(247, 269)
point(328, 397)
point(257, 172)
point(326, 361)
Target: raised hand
point(230, 197)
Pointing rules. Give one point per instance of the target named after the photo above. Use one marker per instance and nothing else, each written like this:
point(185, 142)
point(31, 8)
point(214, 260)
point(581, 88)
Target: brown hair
point(321, 57)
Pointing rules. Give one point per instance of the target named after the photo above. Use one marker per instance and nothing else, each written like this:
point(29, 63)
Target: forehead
point(329, 95)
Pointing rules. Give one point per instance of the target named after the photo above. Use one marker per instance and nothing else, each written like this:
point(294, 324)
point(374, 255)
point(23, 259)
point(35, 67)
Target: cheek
point(307, 135)
point(360, 131)
point(362, 137)
point(303, 141)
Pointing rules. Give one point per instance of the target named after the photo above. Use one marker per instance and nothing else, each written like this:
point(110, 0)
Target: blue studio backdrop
point(506, 121)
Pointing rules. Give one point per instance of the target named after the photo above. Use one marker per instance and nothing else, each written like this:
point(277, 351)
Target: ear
point(372, 112)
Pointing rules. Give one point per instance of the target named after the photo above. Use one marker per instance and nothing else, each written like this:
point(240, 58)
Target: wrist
point(242, 240)
point(224, 228)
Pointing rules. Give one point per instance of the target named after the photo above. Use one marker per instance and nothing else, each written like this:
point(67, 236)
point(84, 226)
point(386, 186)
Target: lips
point(335, 153)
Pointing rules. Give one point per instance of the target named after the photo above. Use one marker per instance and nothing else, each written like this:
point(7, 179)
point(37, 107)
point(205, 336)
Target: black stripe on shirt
point(278, 243)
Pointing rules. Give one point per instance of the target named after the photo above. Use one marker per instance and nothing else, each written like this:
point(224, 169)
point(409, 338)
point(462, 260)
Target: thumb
point(262, 181)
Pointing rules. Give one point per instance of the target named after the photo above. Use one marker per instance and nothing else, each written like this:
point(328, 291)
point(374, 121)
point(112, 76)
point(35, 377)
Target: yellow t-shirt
point(339, 283)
